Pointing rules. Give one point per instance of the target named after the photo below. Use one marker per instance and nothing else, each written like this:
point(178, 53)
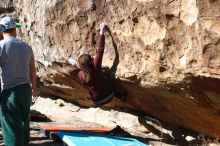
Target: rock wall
point(167, 53)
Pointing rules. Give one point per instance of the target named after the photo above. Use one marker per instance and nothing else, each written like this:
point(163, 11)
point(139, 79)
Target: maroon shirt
point(99, 85)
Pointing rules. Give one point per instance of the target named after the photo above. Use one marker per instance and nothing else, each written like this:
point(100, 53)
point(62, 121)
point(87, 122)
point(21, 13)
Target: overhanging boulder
point(168, 51)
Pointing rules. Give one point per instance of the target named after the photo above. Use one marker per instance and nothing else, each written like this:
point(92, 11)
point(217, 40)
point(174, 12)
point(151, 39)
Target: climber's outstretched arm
point(100, 47)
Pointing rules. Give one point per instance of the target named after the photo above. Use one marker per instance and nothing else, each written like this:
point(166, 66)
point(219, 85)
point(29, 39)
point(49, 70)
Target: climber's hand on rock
point(103, 27)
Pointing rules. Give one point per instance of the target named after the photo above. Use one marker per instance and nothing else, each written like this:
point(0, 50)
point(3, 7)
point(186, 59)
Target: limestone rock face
point(169, 53)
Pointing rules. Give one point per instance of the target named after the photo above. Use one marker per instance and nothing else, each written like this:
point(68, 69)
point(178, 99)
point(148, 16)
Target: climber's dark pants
point(120, 92)
point(16, 103)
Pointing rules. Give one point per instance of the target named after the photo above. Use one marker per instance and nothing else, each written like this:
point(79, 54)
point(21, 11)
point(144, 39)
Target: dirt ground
point(39, 139)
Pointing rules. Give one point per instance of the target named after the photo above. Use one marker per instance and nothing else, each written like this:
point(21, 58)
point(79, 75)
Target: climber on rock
point(92, 76)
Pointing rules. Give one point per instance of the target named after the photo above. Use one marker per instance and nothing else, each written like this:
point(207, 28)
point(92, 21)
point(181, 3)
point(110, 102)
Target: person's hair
point(8, 30)
point(85, 62)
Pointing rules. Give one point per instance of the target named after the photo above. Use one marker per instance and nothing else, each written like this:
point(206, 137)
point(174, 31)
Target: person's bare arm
point(100, 47)
point(33, 76)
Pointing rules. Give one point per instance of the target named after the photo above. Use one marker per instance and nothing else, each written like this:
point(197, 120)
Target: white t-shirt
point(15, 57)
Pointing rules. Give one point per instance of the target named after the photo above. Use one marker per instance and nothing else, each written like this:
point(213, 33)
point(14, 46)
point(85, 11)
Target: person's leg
point(122, 95)
point(11, 119)
point(26, 120)
point(120, 91)
point(0, 114)
point(0, 104)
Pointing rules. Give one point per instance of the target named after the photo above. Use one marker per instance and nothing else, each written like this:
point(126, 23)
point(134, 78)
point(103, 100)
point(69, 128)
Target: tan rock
point(189, 11)
point(168, 53)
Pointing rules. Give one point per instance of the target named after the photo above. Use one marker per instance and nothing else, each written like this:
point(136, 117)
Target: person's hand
point(103, 27)
point(35, 92)
point(34, 98)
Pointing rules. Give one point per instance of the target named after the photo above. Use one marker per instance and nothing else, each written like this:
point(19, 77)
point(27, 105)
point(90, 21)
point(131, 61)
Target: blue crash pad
point(78, 139)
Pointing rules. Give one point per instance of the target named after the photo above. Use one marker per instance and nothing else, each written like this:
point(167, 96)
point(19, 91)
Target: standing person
point(92, 75)
point(1, 38)
point(18, 71)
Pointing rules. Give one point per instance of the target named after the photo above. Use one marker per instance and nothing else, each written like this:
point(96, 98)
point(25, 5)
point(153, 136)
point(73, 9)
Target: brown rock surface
point(169, 53)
